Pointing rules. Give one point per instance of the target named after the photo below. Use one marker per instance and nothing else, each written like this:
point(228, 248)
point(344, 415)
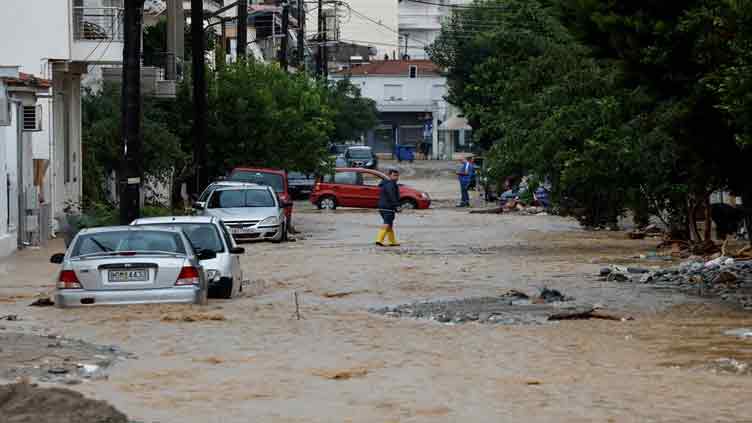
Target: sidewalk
point(29, 273)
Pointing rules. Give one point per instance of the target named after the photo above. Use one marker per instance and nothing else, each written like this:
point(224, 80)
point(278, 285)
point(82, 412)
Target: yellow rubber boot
point(380, 237)
point(392, 238)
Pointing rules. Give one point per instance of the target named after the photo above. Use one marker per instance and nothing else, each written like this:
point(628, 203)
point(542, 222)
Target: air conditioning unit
point(5, 117)
point(32, 118)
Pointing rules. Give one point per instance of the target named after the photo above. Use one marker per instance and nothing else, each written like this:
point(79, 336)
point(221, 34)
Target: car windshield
point(128, 241)
point(359, 153)
point(276, 181)
point(203, 236)
point(241, 198)
point(297, 175)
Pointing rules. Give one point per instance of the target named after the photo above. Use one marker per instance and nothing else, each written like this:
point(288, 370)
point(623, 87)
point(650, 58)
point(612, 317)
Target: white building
point(420, 23)
point(61, 41)
point(409, 96)
point(20, 118)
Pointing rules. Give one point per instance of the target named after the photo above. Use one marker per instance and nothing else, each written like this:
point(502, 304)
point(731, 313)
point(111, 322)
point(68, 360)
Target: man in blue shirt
point(465, 174)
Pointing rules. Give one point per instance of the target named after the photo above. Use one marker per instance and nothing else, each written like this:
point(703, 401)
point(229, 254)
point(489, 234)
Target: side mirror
point(199, 205)
point(57, 258)
point(206, 255)
point(237, 250)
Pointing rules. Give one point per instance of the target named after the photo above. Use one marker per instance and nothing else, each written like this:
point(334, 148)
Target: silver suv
point(205, 233)
point(252, 213)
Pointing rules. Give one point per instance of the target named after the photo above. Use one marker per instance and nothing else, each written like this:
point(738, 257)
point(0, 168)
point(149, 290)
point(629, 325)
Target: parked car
point(300, 183)
point(337, 149)
point(356, 187)
point(201, 202)
point(252, 213)
point(277, 179)
point(205, 233)
point(361, 156)
point(130, 265)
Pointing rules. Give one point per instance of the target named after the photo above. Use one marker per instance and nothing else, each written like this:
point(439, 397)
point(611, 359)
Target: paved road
point(341, 363)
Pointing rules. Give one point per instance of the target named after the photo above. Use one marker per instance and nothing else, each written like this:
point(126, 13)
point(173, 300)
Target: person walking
point(465, 173)
point(389, 203)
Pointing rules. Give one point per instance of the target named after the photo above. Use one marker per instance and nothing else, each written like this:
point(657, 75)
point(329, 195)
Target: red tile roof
point(393, 67)
point(28, 80)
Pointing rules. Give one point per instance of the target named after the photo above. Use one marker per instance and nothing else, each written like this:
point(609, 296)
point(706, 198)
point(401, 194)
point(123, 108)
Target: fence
point(98, 24)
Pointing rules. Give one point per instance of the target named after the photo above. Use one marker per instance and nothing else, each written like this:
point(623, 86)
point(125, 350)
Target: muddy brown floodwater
point(250, 359)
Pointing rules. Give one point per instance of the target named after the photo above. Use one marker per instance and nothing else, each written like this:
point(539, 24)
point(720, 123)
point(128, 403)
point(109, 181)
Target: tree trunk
point(708, 219)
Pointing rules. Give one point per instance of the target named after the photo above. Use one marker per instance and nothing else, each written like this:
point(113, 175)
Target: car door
point(370, 190)
point(346, 188)
point(237, 270)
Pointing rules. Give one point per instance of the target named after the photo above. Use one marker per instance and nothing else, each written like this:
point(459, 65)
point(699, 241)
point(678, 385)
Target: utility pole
point(130, 177)
point(285, 34)
point(406, 37)
point(319, 38)
point(199, 95)
point(242, 27)
point(301, 34)
point(325, 51)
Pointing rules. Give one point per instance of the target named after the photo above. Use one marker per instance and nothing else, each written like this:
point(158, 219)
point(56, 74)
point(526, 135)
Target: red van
point(275, 178)
point(357, 187)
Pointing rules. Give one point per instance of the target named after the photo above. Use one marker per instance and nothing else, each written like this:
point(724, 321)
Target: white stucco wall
point(32, 31)
point(417, 94)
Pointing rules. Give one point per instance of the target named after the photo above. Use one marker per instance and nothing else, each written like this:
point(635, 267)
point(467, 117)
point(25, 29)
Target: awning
point(455, 123)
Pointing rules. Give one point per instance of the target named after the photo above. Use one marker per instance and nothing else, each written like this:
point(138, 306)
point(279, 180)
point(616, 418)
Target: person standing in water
point(389, 203)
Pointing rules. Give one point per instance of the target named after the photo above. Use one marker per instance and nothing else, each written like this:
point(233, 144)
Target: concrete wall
point(417, 94)
point(8, 140)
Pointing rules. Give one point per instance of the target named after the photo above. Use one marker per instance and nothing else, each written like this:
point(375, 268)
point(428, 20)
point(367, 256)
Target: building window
point(413, 71)
point(393, 91)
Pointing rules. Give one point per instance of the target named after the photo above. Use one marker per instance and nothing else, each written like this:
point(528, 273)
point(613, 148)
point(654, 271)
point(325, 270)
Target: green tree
point(353, 114)
point(101, 140)
point(260, 115)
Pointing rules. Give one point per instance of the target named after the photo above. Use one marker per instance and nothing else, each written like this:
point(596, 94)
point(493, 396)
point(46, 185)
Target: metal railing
point(98, 24)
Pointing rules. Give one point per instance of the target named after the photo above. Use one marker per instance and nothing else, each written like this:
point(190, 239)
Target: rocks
point(512, 307)
point(728, 279)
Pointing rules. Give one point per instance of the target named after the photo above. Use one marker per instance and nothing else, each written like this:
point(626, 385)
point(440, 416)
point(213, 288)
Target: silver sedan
point(130, 265)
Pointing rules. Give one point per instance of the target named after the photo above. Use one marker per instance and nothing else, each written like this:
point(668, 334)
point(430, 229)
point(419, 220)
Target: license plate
point(136, 275)
point(241, 230)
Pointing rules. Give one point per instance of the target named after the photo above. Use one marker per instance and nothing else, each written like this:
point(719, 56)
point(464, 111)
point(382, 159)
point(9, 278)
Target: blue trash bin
point(405, 153)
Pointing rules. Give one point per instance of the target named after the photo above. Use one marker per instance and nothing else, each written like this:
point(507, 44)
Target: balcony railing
point(98, 24)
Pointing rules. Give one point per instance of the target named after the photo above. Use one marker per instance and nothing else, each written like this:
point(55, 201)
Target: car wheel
point(408, 204)
point(224, 289)
point(327, 203)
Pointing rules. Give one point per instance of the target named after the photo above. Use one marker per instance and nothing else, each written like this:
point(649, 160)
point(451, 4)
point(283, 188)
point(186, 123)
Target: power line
point(458, 6)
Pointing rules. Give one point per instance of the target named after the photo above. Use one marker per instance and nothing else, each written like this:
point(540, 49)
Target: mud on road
point(250, 359)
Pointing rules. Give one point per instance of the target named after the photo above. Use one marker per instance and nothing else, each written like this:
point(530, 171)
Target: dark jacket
point(389, 198)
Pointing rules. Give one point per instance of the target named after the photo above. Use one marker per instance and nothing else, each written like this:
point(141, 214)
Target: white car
point(205, 233)
point(252, 212)
point(200, 204)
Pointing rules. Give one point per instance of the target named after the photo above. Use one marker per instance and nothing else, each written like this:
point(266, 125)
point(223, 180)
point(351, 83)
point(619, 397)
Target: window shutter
point(32, 118)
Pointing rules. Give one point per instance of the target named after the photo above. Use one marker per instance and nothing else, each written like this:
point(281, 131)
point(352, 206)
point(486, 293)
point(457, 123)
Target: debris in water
point(586, 315)
point(42, 302)
point(342, 374)
point(741, 333)
point(192, 317)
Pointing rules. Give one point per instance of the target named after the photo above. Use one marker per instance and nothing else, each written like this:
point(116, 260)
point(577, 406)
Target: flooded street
point(251, 359)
